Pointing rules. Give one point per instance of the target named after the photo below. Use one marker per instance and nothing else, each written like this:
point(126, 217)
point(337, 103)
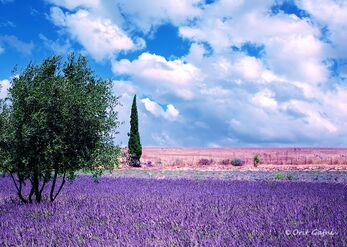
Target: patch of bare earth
point(272, 159)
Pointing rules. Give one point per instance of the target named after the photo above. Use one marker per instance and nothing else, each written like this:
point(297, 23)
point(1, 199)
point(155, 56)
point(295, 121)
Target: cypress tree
point(134, 144)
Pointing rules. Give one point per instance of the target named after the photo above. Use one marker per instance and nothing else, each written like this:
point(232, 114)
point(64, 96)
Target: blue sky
point(207, 73)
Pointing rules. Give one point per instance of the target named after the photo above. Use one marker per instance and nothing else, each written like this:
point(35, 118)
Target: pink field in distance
point(295, 158)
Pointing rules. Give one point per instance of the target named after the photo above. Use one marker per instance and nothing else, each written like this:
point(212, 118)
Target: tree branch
point(31, 192)
point(43, 185)
point(19, 188)
point(14, 181)
point(51, 195)
point(61, 186)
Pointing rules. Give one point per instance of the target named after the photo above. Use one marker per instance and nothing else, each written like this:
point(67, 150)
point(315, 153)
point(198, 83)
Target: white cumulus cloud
point(287, 94)
point(333, 15)
point(176, 75)
point(150, 13)
point(171, 113)
point(265, 98)
point(12, 41)
point(4, 86)
point(99, 36)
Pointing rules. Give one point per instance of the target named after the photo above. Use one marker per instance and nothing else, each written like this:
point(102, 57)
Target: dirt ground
point(272, 159)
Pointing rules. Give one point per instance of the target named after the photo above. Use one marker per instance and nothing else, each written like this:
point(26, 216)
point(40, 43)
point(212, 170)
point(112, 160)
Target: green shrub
point(256, 160)
point(225, 162)
point(237, 162)
point(205, 162)
point(280, 176)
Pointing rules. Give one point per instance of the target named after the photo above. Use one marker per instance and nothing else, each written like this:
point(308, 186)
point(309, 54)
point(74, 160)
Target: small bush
point(205, 162)
point(130, 160)
point(237, 162)
point(225, 162)
point(178, 162)
point(256, 160)
point(149, 163)
point(280, 176)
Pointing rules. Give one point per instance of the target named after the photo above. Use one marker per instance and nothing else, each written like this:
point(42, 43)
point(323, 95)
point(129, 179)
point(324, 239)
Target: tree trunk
point(51, 194)
point(36, 184)
point(18, 187)
point(30, 197)
point(54, 195)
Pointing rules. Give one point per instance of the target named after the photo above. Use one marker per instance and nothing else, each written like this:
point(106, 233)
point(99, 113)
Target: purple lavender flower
point(150, 212)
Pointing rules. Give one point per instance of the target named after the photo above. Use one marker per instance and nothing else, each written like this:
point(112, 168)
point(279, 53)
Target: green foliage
point(134, 144)
point(205, 162)
point(237, 162)
point(256, 159)
point(283, 176)
point(59, 118)
point(280, 176)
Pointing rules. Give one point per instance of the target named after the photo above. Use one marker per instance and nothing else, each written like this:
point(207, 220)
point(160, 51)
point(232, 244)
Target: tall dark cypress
point(134, 144)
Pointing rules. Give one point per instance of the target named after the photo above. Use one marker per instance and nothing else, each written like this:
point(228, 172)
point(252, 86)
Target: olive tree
point(59, 118)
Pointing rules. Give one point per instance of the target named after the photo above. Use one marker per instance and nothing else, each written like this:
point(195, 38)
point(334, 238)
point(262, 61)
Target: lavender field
point(178, 212)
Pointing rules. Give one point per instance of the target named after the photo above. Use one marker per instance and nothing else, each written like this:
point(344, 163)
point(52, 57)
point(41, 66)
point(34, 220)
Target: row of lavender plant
point(148, 212)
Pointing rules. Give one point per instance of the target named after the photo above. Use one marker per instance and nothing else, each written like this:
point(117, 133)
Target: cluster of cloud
point(220, 92)
point(14, 42)
point(171, 113)
point(4, 86)
point(174, 77)
point(100, 37)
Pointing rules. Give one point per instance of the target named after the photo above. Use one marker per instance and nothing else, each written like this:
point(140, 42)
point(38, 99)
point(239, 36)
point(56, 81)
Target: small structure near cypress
point(134, 144)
